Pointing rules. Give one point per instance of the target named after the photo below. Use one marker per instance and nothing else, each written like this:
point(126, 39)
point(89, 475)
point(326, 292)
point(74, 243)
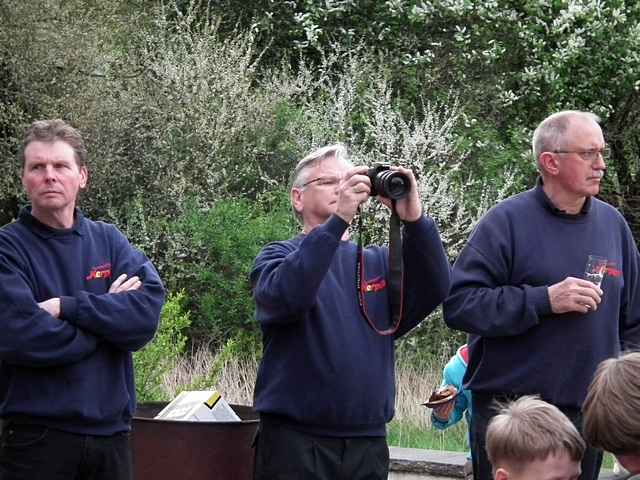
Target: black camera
point(388, 183)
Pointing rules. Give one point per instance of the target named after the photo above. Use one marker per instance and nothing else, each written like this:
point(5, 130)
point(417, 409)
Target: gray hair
point(301, 172)
point(550, 133)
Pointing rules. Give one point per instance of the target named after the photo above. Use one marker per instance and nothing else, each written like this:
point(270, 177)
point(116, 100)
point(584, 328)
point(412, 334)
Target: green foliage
point(220, 246)
point(215, 101)
point(410, 435)
point(169, 109)
point(208, 253)
point(159, 356)
point(179, 112)
point(10, 116)
point(509, 63)
point(431, 341)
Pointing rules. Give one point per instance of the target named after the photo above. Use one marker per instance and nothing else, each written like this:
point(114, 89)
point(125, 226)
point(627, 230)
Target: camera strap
point(394, 276)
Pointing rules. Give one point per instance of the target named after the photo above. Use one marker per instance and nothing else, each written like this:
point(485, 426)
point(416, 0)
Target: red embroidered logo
point(614, 272)
point(374, 285)
point(101, 271)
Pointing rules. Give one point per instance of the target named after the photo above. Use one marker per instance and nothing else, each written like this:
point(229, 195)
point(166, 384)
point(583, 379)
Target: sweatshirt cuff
point(421, 225)
point(68, 308)
point(540, 298)
point(336, 226)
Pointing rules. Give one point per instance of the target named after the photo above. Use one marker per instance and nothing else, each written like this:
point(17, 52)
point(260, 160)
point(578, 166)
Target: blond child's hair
point(530, 429)
point(612, 407)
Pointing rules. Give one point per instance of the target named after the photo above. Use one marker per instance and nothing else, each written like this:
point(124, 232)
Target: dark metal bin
point(172, 450)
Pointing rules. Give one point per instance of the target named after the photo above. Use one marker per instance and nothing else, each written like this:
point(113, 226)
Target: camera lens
point(392, 184)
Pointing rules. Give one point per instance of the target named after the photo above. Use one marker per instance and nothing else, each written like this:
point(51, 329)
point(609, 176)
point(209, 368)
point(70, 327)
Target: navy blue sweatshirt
point(324, 369)
point(74, 373)
point(500, 295)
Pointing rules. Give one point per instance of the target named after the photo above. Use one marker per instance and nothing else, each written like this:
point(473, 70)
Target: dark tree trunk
point(622, 132)
point(8, 209)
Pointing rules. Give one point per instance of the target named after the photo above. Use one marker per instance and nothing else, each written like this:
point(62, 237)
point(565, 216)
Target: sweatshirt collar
point(548, 204)
point(45, 231)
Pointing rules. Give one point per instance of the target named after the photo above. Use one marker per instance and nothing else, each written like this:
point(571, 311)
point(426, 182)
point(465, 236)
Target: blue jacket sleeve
point(630, 305)
point(30, 336)
point(453, 374)
point(285, 279)
point(127, 320)
point(482, 301)
point(427, 273)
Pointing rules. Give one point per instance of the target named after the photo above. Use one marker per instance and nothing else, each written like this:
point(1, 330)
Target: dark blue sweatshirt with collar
point(500, 295)
point(324, 369)
point(73, 373)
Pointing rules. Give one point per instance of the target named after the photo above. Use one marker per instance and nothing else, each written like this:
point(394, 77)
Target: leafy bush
point(10, 117)
point(430, 341)
point(187, 135)
point(161, 355)
point(220, 246)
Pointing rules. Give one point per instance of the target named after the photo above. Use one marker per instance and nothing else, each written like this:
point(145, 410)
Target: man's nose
point(600, 164)
point(50, 173)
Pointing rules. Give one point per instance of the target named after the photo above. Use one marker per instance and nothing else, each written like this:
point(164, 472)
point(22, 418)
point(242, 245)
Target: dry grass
point(236, 378)
point(411, 426)
point(413, 387)
point(237, 381)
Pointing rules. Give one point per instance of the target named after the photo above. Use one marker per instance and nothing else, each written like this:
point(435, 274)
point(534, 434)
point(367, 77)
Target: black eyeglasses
point(589, 155)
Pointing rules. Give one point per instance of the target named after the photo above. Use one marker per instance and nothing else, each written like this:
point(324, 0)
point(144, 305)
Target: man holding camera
point(325, 388)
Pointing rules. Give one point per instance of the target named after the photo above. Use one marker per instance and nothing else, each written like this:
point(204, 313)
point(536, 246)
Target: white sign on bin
point(199, 406)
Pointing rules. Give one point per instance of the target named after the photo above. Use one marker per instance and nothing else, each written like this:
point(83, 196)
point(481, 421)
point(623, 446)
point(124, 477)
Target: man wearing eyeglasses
point(325, 388)
point(537, 325)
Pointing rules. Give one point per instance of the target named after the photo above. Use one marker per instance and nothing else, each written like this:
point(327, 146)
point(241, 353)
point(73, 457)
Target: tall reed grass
point(234, 377)
point(411, 426)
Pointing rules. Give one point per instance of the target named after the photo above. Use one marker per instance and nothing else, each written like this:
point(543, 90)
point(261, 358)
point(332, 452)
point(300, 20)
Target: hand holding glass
point(596, 268)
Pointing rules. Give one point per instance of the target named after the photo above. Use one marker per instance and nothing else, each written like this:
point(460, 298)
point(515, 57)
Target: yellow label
point(213, 399)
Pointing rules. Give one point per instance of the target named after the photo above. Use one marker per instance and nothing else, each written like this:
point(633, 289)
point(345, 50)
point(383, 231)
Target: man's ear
point(296, 199)
point(548, 163)
point(501, 474)
point(84, 176)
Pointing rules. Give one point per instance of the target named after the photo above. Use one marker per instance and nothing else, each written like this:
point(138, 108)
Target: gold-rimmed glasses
point(589, 155)
point(328, 181)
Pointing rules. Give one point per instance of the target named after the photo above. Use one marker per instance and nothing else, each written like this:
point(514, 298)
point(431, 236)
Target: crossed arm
point(120, 284)
point(65, 329)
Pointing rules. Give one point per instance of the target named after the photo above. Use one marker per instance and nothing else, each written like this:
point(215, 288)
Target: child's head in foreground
point(612, 409)
point(531, 439)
